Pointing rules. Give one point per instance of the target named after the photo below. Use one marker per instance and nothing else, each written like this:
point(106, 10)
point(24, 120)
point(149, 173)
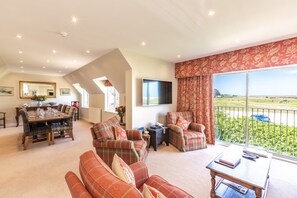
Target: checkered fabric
point(101, 182)
point(77, 189)
point(185, 140)
point(105, 130)
point(131, 150)
point(167, 189)
point(66, 126)
point(67, 109)
point(140, 172)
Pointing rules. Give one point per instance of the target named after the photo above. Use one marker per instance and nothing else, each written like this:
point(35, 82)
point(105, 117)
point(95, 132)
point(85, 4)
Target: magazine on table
point(229, 160)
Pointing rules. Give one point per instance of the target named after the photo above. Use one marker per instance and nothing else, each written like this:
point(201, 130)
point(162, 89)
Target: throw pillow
point(104, 130)
point(181, 122)
point(120, 133)
point(122, 170)
point(150, 192)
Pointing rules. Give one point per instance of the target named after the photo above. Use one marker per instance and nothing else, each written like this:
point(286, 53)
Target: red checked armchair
point(193, 138)
point(131, 150)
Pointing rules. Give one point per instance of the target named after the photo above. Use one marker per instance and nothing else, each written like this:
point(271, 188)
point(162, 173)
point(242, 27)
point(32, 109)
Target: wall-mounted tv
point(155, 92)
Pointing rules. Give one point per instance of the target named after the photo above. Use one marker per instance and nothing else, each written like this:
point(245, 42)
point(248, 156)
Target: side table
point(158, 136)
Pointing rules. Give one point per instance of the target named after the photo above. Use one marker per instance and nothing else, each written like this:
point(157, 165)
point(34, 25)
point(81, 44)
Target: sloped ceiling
point(3, 68)
point(112, 65)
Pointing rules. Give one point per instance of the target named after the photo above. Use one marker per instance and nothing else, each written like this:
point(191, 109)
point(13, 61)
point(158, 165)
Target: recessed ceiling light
point(19, 36)
point(178, 56)
point(211, 13)
point(74, 61)
point(21, 61)
point(88, 51)
point(20, 52)
point(74, 19)
point(237, 40)
point(60, 71)
point(21, 67)
point(43, 67)
point(66, 67)
point(64, 34)
point(47, 61)
point(22, 71)
point(143, 43)
point(54, 51)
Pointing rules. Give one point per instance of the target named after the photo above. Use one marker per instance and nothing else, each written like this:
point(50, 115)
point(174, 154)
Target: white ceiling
point(169, 28)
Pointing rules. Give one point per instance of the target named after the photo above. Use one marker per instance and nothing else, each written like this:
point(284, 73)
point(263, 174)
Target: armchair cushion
point(181, 122)
point(120, 133)
point(150, 192)
point(122, 170)
point(104, 130)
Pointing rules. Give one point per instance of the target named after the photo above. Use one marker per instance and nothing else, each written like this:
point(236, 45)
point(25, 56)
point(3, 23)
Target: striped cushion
point(122, 170)
point(104, 130)
point(120, 133)
point(181, 122)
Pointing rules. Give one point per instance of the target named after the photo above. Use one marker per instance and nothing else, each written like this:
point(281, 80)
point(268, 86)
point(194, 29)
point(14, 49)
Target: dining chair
point(2, 117)
point(33, 130)
point(59, 108)
point(62, 130)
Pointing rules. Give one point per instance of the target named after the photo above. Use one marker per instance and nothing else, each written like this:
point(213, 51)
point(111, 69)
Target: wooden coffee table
point(253, 175)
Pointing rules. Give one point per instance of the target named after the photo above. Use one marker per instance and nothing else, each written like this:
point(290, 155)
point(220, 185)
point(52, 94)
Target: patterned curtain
point(107, 83)
point(195, 94)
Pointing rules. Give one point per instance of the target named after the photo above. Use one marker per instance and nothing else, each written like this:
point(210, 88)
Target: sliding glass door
point(268, 108)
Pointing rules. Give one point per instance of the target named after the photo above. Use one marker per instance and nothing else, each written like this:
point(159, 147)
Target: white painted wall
point(151, 68)
point(8, 103)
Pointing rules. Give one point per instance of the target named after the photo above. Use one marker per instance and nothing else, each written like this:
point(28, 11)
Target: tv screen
point(155, 92)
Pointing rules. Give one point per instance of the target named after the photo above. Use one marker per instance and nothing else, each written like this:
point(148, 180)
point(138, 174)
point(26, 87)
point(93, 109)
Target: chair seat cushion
point(189, 135)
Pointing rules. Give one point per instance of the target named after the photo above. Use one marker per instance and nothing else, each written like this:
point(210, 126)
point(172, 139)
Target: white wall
point(151, 68)
point(8, 103)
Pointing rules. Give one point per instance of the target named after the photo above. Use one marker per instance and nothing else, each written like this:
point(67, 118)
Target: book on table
point(255, 151)
point(229, 159)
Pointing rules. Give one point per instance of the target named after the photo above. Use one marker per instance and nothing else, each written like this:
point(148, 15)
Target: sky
point(272, 82)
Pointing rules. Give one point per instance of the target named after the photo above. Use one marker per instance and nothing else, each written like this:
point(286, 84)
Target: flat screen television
point(156, 92)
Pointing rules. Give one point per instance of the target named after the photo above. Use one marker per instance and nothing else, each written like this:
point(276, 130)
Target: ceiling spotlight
point(47, 61)
point(66, 67)
point(21, 67)
point(22, 71)
point(143, 43)
point(88, 51)
point(21, 61)
point(178, 56)
point(19, 36)
point(74, 19)
point(60, 71)
point(43, 67)
point(211, 13)
point(20, 52)
point(64, 34)
point(54, 51)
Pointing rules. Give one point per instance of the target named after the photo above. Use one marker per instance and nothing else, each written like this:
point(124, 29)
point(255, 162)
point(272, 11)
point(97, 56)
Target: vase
point(39, 103)
point(121, 119)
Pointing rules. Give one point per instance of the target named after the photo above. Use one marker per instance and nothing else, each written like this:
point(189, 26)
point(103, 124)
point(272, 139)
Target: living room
point(134, 56)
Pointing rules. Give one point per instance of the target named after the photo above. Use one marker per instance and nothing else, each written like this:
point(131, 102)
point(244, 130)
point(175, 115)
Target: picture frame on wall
point(6, 91)
point(50, 92)
point(65, 91)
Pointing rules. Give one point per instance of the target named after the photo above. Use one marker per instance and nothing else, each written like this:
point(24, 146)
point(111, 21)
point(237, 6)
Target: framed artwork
point(65, 91)
point(6, 91)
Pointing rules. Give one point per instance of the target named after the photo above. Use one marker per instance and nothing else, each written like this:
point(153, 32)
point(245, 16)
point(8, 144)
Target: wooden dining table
point(34, 118)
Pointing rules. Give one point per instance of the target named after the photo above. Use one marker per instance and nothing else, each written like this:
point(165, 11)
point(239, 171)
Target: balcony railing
point(272, 129)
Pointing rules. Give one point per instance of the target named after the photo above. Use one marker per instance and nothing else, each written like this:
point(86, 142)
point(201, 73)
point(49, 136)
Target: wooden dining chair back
point(59, 108)
point(3, 119)
point(64, 108)
point(33, 130)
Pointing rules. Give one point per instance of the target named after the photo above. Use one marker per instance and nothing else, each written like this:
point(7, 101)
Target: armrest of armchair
point(175, 128)
point(75, 186)
point(140, 172)
point(197, 127)
point(134, 135)
point(115, 144)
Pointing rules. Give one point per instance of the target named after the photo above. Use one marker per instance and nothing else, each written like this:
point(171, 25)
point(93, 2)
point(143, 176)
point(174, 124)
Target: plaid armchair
point(131, 150)
point(185, 140)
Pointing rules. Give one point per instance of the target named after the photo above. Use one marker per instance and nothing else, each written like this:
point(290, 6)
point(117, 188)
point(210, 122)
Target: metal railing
point(271, 129)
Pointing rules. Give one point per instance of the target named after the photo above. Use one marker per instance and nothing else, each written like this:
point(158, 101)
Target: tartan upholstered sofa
point(131, 150)
point(192, 138)
point(99, 181)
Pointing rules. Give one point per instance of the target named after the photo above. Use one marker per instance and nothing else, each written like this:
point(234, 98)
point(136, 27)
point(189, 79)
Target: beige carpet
point(39, 171)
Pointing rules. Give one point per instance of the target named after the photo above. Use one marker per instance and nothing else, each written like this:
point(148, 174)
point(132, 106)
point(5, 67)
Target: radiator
point(94, 115)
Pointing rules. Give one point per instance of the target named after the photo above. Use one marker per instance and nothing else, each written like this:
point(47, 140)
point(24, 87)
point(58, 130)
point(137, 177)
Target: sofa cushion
point(150, 192)
point(167, 189)
point(120, 133)
point(181, 122)
point(122, 170)
point(173, 116)
point(104, 130)
point(100, 181)
point(192, 135)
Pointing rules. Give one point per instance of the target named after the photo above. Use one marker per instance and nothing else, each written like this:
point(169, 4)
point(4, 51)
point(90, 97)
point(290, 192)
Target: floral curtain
point(195, 88)
point(195, 94)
